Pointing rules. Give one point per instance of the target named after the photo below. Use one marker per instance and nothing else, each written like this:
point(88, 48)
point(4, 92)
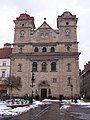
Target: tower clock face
point(67, 31)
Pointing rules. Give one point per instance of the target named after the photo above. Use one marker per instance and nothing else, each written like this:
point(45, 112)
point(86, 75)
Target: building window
point(69, 80)
point(44, 35)
point(22, 33)
point(54, 80)
point(3, 74)
point(4, 63)
point(53, 66)
point(19, 67)
point(67, 23)
point(52, 49)
point(20, 50)
point(68, 48)
point(44, 66)
point(44, 49)
point(35, 49)
point(34, 67)
point(49, 91)
point(69, 67)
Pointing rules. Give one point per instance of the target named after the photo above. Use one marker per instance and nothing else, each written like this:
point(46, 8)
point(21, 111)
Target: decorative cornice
point(44, 44)
point(45, 56)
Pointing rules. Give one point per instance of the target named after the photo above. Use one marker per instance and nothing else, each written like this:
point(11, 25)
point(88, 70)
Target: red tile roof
point(25, 16)
point(5, 53)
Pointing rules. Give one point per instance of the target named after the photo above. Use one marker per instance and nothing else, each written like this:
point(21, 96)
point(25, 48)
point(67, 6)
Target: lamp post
point(71, 92)
point(32, 80)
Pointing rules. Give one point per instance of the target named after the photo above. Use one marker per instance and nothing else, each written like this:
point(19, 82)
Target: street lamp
point(32, 80)
point(71, 92)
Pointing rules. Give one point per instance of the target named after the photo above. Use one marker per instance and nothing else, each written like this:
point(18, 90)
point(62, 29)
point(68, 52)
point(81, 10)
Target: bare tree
point(13, 82)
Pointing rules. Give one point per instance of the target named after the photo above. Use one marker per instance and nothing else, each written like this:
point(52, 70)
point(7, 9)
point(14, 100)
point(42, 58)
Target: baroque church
point(50, 56)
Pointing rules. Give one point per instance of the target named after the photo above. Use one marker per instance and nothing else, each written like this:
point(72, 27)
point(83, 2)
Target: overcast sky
point(10, 9)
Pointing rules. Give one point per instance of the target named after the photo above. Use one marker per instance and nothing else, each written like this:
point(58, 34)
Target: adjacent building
point(4, 66)
point(52, 55)
point(85, 81)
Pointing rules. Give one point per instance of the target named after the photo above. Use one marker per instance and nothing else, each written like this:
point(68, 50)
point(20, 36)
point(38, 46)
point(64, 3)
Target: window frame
point(53, 67)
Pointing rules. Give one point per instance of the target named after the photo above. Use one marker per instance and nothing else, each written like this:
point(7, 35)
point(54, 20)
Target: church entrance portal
point(44, 93)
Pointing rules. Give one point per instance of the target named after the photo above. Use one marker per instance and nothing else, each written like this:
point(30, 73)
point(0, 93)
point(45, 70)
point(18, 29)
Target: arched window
point(69, 67)
point(19, 67)
point(69, 80)
point(44, 66)
point(53, 66)
point(34, 66)
point(20, 50)
point(44, 49)
point(35, 49)
point(52, 49)
point(68, 48)
point(22, 33)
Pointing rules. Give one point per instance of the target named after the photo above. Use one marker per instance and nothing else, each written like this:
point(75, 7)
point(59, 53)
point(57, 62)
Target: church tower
point(24, 27)
point(51, 55)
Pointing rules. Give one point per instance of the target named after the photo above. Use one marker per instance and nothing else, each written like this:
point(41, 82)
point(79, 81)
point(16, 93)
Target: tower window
point(20, 50)
point(52, 49)
point(69, 67)
point(68, 48)
point(36, 49)
point(34, 66)
point(53, 66)
point(19, 67)
point(22, 25)
point(69, 80)
point(44, 49)
point(22, 33)
point(44, 66)
point(67, 23)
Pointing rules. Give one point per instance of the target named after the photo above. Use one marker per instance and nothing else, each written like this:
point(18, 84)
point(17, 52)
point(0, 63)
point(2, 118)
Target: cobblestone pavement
point(53, 112)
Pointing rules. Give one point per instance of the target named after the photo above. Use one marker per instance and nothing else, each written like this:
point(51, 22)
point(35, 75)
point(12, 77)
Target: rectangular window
point(69, 80)
point(4, 63)
point(54, 80)
point(3, 74)
point(69, 67)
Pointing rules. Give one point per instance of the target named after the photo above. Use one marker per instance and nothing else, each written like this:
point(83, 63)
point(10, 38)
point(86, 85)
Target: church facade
point(51, 55)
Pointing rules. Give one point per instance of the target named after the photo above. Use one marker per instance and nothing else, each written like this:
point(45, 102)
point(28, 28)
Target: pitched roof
point(5, 53)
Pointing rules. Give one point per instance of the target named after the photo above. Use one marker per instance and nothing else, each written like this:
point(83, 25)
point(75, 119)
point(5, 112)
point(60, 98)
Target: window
point(44, 49)
point(3, 74)
point(4, 63)
point(69, 81)
point(22, 25)
point(67, 32)
point(36, 49)
point(19, 67)
point(34, 66)
point(53, 66)
point(44, 66)
point(67, 23)
point(44, 35)
point(68, 48)
point(22, 33)
point(69, 67)
point(49, 91)
point(20, 50)
point(52, 49)
point(54, 80)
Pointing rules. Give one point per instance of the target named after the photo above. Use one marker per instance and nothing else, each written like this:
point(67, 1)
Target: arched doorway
point(44, 89)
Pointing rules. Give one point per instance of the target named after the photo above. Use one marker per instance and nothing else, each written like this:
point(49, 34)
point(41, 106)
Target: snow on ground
point(67, 103)
point(8, 111)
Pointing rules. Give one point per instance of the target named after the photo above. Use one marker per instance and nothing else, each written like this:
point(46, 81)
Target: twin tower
point(52, 55)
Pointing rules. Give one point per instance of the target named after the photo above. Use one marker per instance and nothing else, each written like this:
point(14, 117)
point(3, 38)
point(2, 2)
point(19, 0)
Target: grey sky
point(10, 9)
